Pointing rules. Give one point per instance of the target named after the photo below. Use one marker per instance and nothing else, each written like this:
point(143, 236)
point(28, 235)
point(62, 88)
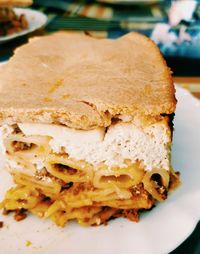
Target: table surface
point(190, 83)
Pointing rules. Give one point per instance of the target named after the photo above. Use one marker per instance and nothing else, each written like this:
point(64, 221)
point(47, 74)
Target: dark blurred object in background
point(173, 25)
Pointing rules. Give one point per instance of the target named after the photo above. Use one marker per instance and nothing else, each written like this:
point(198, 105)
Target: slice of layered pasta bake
point(86, 128)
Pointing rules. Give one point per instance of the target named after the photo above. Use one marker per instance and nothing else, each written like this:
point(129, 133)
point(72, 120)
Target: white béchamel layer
point(112, 146)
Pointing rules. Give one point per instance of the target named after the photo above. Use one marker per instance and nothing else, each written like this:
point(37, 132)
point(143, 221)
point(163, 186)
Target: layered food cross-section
point(89, 134)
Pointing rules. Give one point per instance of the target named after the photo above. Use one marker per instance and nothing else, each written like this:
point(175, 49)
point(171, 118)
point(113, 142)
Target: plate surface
point(35, 20)
point(159, 231)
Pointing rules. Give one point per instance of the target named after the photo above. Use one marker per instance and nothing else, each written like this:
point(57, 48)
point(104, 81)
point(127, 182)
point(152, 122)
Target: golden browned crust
point(15, 3)
point(83, 82)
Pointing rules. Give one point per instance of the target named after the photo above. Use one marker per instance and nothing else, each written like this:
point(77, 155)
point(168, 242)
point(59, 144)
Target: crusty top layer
point(83, 82)
point(13, 3)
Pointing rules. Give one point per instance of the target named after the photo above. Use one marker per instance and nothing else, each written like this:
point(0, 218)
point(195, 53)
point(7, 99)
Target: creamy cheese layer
point(112, 146)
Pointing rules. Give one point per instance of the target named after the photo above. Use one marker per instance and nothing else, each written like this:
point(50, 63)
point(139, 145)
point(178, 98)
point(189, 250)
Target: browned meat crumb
point(43, 174)
point(106, 214)
point(16, 129)
point(1, 224)
point(131, 214)
point(21, 146)
point(77, 188)
point(61, 168)
point(20, 214)
point(66, 186)
point(109, 213)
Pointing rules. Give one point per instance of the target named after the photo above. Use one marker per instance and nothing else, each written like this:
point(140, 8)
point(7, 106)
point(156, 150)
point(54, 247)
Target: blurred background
point(173, 25)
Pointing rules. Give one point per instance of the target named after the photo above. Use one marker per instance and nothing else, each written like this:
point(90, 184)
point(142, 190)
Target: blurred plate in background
point(35, 20)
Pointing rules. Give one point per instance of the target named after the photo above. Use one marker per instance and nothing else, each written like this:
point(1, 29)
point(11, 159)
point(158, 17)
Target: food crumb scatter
point(28, 243)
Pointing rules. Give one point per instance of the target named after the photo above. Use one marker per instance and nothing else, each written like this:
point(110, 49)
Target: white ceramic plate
point(35, 20)
point(159, 231)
